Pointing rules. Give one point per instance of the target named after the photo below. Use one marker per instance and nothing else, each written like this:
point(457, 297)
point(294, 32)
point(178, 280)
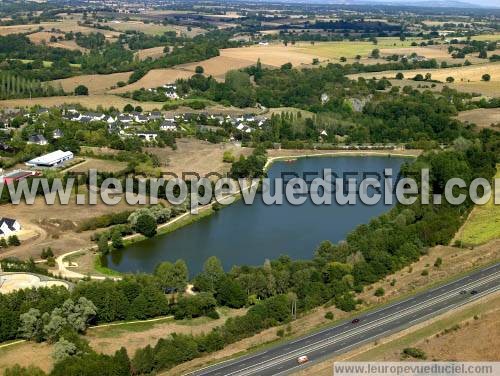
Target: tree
point(486, 77)
point(64, 349)
point(399, 76)
point(172, 276)
point(102, 244)
point(128, 108)
point(230, 293)
point(81, 90)
point(146, 225)
point(31, 325)
point(116, 240)
point(3, 243)
point(14, 241)
point(375, 53)
point(450, 79)
point(483, 54)
point(199, 69)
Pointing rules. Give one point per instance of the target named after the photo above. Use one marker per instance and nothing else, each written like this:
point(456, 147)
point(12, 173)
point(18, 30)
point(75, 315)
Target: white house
point(8, 226)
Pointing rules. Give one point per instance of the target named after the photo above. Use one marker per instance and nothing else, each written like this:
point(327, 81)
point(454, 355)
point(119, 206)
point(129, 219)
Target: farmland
point(153, 52)
point(96, 83)
point(90, 101)
point(152, 28)
point(482, 117)
point(154, 78)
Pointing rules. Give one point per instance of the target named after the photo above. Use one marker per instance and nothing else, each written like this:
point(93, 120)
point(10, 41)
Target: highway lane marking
point(426, 305)
point(360, 329)
point(320, 345)
point(480, 295)
point(478, 274)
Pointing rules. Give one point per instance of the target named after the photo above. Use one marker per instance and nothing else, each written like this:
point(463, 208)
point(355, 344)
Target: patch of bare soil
point(186, 158)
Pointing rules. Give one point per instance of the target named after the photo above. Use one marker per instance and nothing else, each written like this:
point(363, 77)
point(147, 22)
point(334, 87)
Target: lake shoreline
point(208, 210)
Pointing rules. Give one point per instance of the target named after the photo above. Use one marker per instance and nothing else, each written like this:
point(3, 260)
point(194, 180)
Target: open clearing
point(102, 165)
point(96, 83)
point(153, 52)
point(43, 37)
point(186, 157)
point(217, 66)
point(154, 78)
point(483, 223)
point(471, 73)
point(63, 26)
point(152, 28)
point(482, 117)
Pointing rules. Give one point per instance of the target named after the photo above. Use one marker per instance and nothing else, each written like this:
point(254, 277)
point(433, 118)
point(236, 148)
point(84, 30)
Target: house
point(37, 139)
point(147, 136)
point(51, 160)
point(57, 134)
point(155, 115)
point(8, 226)
point(168, 125)
point(140, 118)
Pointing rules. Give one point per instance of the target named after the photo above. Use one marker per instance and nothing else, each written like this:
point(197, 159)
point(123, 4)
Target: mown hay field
point(153, 52)
point(43, 37)
point(88, 101)
point(96, 83)
point(154, 78)
point(482, 117)
point(471, 73)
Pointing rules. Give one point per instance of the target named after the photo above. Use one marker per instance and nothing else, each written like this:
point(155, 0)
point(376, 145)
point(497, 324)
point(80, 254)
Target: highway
point(282, 359)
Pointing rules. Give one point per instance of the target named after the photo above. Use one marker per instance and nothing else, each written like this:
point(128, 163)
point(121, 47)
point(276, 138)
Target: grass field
point(482, 117)
point(44, 37)
point(155, 78)
point(64, 26)
point(96, 83)
point(90, 101)
point(348, 49)
point(153, 52)
point(466, 74)
point(487, 37)
point(102, 165)
point(218, 66)
point(151, 28)
point(483, 223)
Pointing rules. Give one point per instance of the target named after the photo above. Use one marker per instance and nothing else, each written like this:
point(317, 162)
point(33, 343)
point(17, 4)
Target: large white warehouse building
point(52, 159)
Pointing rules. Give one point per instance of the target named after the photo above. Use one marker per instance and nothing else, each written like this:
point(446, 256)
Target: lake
point(249, 234)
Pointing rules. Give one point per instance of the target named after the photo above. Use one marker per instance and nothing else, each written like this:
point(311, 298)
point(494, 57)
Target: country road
point(282, 359)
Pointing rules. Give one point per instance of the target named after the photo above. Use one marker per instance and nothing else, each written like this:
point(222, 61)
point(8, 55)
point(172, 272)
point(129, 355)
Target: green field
point(487, 37)
point(483, 224)
point(349, 49)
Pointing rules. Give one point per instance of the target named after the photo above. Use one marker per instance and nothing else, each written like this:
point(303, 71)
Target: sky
point(484, 3)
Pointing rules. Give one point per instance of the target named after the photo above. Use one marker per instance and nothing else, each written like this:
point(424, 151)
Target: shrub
point(81, 90)
point(329, 315)
point(379, 292)
point(414, 353)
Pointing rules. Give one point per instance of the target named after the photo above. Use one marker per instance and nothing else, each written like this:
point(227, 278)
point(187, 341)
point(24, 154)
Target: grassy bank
point(483, 223)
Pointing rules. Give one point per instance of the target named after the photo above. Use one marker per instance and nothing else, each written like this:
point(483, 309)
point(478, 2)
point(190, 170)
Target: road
point(282, 359)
